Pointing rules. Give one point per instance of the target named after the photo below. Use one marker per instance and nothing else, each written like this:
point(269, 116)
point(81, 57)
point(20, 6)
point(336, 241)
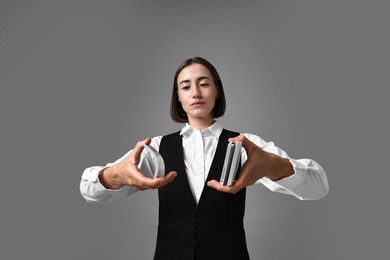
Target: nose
point(196, 93)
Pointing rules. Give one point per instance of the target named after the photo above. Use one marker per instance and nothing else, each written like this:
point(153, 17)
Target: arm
point(267, 164)
point(122, 178)
point(309, 181)
point(93, 190)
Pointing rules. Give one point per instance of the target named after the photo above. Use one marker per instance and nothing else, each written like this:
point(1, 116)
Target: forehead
point(194, 71)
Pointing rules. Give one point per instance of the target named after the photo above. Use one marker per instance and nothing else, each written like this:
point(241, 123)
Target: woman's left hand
point(258, 165)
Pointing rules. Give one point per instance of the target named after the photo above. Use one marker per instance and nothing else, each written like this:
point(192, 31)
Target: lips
point(197, 103)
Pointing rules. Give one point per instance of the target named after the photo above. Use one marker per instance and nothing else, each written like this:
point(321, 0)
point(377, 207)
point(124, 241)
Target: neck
point(201, 123)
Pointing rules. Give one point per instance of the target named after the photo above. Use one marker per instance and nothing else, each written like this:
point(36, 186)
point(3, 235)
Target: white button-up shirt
point(308, 182)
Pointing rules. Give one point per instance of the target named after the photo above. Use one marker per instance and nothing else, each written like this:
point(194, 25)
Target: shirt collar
point(215, 130)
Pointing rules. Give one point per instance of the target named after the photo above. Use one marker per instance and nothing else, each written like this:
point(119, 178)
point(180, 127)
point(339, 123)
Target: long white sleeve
point(309, 181)
point(93, 191)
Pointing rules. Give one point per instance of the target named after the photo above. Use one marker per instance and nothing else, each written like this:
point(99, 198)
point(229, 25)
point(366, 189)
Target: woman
point(199, 218)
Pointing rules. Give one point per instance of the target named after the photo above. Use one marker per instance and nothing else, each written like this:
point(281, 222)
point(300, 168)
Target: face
point(197, 92)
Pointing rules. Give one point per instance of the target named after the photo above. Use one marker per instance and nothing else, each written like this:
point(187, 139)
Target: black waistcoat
point(213, 228)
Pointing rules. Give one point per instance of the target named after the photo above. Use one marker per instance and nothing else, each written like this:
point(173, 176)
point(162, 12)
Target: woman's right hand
point(126, 172)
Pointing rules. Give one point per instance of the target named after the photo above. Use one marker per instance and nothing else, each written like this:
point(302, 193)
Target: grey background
point(83, 81)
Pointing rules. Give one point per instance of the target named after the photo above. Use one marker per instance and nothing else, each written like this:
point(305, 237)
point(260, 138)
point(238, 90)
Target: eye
point(205, 85)
point(185, 87)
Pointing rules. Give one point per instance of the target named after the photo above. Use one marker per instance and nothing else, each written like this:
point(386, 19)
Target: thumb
point(139, 147)
point(246, 144)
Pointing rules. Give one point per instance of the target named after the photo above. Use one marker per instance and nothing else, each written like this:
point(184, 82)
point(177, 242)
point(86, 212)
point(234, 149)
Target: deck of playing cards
point(158, 166)
point(232, 158)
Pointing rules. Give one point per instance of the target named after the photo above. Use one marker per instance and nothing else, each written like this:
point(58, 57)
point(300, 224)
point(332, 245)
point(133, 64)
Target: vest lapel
point(182, 173)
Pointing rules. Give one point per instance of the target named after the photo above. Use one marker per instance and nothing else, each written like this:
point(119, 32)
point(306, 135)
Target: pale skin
point(197, 94)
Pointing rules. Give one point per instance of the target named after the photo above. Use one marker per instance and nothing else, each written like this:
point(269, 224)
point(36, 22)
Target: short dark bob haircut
point(177, 112)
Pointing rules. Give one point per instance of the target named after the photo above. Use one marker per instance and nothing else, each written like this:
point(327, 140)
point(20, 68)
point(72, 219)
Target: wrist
point(108, 177)
point(281, 169)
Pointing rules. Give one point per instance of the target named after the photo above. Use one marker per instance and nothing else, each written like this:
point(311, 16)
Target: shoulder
point(156, 141)
point(172, 135)
point(230, 132)
point(165, 139)
point(267, 146)
point(255, 139)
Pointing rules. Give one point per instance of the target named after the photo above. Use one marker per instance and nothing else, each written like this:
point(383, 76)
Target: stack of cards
point(232, 159)
point(157, 167)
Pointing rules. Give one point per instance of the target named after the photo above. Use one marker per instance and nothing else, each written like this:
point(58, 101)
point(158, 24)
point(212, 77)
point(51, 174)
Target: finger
point(139, 146)
point(167, 178)
point(141, 182)
point(246, 143)
point(235, 139)
point(240, 138)
point(159, 182)
point(171, 175)
point(136, 153)
point(223, 188)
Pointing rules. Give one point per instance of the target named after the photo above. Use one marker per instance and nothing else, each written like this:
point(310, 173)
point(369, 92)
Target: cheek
point(183, 96)
point(214, 95)
point(182, 100)
point(180, 94)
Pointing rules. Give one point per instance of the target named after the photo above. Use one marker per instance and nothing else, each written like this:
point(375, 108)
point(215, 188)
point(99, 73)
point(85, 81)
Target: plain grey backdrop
point(83, 81)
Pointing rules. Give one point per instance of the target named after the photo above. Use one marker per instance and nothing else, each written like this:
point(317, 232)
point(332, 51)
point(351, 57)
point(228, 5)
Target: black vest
point(213, 228)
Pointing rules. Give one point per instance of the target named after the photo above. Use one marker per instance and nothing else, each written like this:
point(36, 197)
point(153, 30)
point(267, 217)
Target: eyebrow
point(198, 79)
